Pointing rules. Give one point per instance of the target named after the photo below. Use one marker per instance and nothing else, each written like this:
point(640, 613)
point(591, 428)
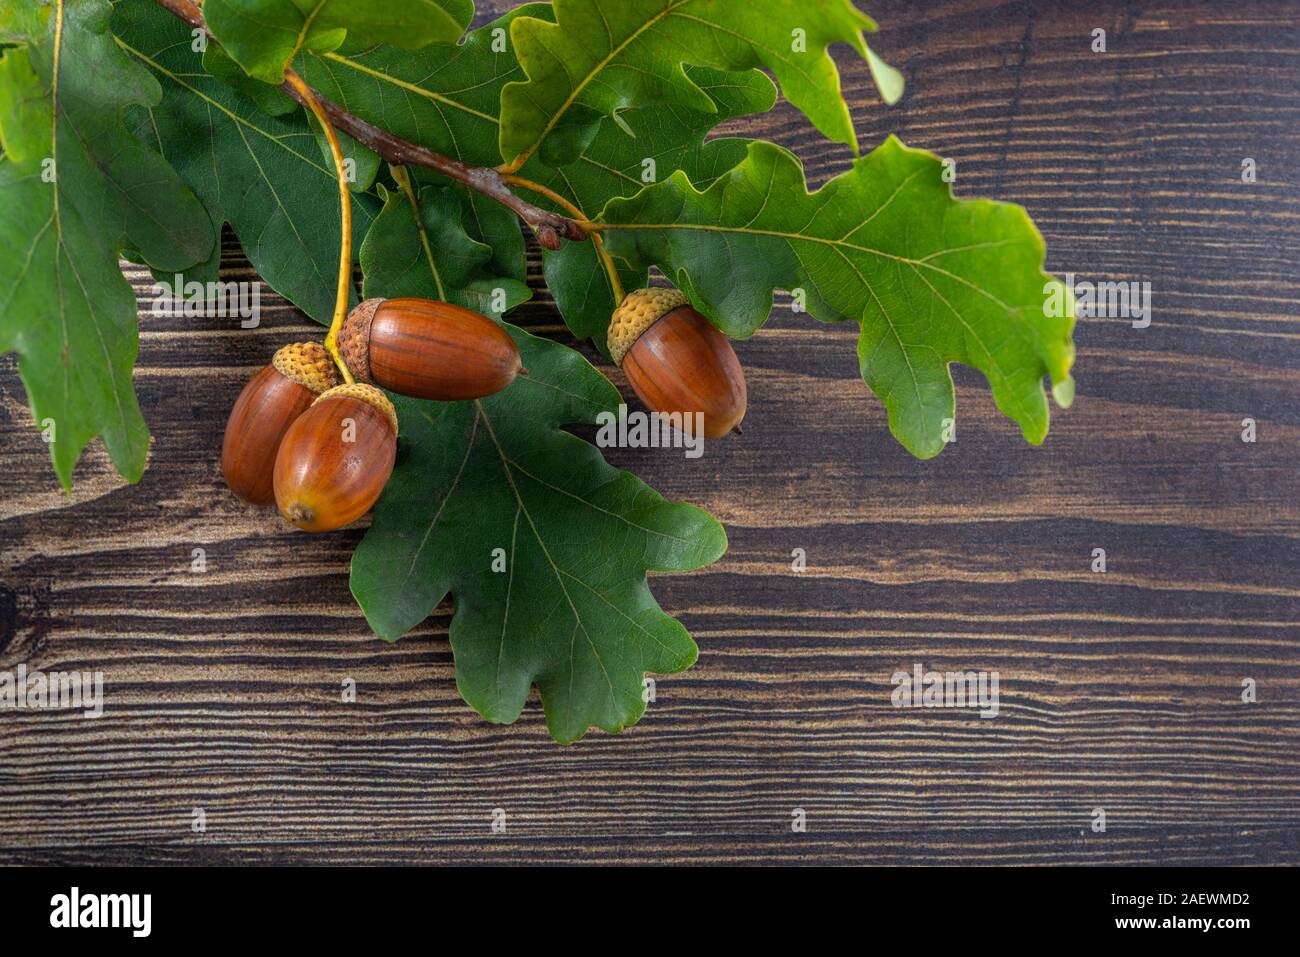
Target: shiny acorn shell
point(262, 414)
point(428, 349)
point(336, 458)
point(677, 361)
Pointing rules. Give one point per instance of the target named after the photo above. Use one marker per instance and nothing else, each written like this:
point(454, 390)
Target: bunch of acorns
point(323, 450)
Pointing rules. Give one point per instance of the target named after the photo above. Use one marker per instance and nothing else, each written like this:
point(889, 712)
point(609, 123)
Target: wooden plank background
point(1118, 691)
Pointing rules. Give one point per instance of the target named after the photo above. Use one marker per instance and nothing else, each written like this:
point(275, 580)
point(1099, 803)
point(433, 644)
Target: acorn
point(269, 404)
point(336, 458)
point(428, 349)
point(677, 361)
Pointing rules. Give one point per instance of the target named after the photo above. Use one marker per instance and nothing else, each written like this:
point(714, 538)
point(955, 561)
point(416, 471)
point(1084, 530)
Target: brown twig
point(550, 227)
point(345, 227)
point(611, 270)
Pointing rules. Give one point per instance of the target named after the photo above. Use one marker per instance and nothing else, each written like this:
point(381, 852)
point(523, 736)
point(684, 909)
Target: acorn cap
point(354, 338)
point(308, 364)
point(637, 313)
point(366, 393)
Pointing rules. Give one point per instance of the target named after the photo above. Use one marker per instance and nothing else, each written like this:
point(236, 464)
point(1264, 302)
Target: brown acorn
point(269, 404)
point(336, 458)
point(677, 361)
point(428, 349)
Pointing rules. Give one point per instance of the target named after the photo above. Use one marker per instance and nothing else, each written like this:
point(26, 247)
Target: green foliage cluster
point(126, 134)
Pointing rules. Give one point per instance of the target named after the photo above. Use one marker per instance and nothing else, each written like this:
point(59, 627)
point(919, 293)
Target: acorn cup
point(262, 414)
point(428, 349)
point(677, 362)
point(336, 458)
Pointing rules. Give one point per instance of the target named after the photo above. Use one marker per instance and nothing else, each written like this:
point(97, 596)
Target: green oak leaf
point(595, 58)
point(24, 108)
point(446, 97)
point(273, 101)
point(644, 145)
point(76, 190)
point(929, 278)
point(265, 175)
point(263, 36)
point(580, 285)
point(435, 258)
point(269, 98)
point(570, 609)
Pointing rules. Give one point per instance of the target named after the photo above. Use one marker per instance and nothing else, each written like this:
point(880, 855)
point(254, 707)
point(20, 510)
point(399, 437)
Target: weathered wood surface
point(1119, 691)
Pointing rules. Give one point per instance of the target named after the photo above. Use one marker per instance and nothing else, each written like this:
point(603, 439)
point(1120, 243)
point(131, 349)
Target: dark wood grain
point(1119, 691)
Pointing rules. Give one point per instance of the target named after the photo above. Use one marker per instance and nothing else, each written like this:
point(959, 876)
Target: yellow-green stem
point(345, 229)
point(403, 180)
point(592, 229)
